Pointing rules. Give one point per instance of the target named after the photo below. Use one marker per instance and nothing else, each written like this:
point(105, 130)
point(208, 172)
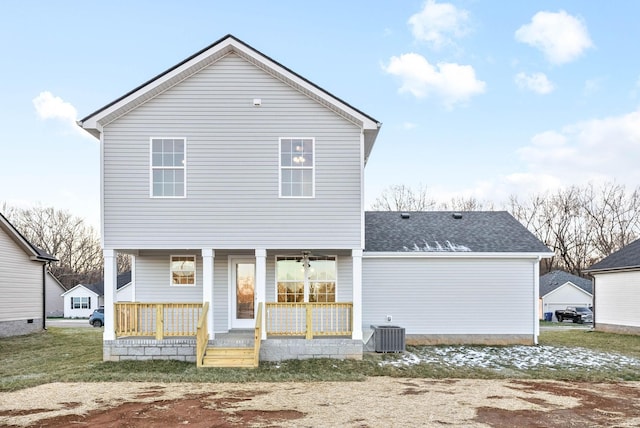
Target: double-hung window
point(168, 167)
point(306, 279)
point(297, 167)
point(81, 303)
point(183, 270)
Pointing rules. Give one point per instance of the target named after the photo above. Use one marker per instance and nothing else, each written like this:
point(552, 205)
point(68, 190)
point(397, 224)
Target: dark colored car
point(97, 318)
point(577, 314)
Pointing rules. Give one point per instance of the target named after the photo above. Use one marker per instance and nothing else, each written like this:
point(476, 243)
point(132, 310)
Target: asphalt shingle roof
point(435, 231)
point(98, 287)
point(626, 257)
point(556, 278)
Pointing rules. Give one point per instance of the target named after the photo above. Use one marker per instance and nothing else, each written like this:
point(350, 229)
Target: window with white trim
point(297, 167)
point(306, 279)
point(183, 270)
point(168, 167)
point(81, 303)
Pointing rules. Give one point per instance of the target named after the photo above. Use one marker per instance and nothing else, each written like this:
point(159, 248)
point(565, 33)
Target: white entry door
point(243, 281)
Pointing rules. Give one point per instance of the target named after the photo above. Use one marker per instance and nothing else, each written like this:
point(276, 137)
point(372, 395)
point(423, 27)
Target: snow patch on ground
point(520, 357)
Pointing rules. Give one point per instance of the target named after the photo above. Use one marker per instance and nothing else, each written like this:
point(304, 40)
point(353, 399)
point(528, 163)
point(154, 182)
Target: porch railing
point(157, 319)
point(309, 319)
point(202, 335)
point(257, 336)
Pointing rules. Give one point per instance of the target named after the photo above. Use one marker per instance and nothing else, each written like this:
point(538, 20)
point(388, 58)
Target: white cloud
point(50, 107)
point(536, 82)
point(561, 37)
point(439, 23)
point(452, 83)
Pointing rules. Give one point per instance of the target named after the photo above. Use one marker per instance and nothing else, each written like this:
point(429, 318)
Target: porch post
point(356, 255)
point(110, 281)
point(261, 284)
point(207, 286)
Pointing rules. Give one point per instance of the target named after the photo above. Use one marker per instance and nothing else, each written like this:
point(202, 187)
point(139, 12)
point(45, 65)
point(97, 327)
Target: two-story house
point(237, 186)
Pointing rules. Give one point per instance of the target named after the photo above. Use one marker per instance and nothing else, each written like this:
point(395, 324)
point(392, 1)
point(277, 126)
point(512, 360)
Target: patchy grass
point(75, 355)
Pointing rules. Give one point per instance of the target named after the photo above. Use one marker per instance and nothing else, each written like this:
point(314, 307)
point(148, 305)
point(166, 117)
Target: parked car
point(96, 319)
point(577, 314)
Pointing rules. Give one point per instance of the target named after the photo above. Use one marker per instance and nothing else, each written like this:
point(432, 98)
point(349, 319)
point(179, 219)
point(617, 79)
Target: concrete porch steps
point(229, 357)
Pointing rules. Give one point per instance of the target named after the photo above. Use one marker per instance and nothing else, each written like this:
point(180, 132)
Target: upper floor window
point(168, 167)
point(297, 167)
point(183, 270)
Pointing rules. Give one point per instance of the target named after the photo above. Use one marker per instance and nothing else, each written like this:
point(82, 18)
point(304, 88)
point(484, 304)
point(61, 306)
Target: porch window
point(81, 303)
point(306, 279)
point(297, 167)
point(168, 167)
point(183, 270)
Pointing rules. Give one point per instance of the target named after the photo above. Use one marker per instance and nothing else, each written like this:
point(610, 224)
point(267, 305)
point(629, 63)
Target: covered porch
point(242, 295)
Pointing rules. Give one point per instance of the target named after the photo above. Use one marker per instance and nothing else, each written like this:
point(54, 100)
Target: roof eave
point(456, 255)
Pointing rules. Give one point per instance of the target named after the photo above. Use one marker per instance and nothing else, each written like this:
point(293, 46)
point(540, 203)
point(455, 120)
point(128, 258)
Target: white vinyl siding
point(233, 167)
point(74, 299)
point(450, 296)
point(20, 283)
point(152, 284)
point(617, 298)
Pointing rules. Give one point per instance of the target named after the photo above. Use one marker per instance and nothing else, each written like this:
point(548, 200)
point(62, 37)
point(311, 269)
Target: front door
point(243, 280)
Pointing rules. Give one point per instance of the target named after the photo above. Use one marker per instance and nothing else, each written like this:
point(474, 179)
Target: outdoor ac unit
point(389, 338)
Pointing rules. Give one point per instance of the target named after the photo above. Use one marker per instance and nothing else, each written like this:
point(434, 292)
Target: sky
point(478, 98)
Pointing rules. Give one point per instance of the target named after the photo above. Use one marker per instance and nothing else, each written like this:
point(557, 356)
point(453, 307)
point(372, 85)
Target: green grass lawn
point(75, 355)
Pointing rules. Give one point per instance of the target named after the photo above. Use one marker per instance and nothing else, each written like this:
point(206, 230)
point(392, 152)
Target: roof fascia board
point(612, 270)
point(453, 255)
point(77, 286)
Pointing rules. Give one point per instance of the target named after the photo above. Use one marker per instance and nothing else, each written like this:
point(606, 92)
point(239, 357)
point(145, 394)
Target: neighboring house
point(23, 270)
point(452, 277)
point(54, 300)
point(236, 184)
point(616, 291)
point(81, 300)
point(559, 289)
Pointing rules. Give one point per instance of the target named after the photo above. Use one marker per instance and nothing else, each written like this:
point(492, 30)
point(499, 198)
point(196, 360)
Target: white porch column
point(110, 284)
point(207, 286)
point(261, 284)
point(356, 256)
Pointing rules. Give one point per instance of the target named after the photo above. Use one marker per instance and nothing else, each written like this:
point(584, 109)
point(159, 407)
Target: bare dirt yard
point(376, 402)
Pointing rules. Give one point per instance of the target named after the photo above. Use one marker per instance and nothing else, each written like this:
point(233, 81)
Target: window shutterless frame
point(182, 270)
point(296, 282)
point(296, 167)
point(168, 167)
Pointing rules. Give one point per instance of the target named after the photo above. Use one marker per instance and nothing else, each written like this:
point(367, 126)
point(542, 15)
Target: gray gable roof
point(627, 257)
point(438, 231)
point(556, 278)
point(98, 287)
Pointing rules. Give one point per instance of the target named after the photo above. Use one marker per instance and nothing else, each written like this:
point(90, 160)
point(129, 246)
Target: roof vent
point(457, 216)
point(405, 215)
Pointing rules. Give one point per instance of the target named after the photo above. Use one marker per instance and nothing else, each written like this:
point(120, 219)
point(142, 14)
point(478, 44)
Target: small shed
point(82, 300)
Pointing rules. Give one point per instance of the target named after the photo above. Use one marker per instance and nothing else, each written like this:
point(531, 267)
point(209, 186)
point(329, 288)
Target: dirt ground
point(376, 402)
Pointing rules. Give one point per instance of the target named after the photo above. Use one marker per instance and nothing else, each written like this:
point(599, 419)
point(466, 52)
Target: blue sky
point(482, 98)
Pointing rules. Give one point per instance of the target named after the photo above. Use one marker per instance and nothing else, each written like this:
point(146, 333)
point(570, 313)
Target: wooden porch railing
point(157, 319)
point(257, 337)
point(309, 319)
point(202, 335)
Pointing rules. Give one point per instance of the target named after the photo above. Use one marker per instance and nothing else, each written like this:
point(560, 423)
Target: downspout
point(44, 296)
point(536, 298)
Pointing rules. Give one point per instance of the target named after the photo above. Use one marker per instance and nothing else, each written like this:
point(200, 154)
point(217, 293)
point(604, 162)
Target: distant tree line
point(68, 238)
point(580, 224)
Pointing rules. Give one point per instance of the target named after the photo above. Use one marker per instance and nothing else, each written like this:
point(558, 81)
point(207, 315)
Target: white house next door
point(243, 279)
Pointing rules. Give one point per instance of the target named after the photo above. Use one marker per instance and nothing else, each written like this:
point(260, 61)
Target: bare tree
point(466, 204)
point(581, 224)
point(75, 244)
point(399, 197)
